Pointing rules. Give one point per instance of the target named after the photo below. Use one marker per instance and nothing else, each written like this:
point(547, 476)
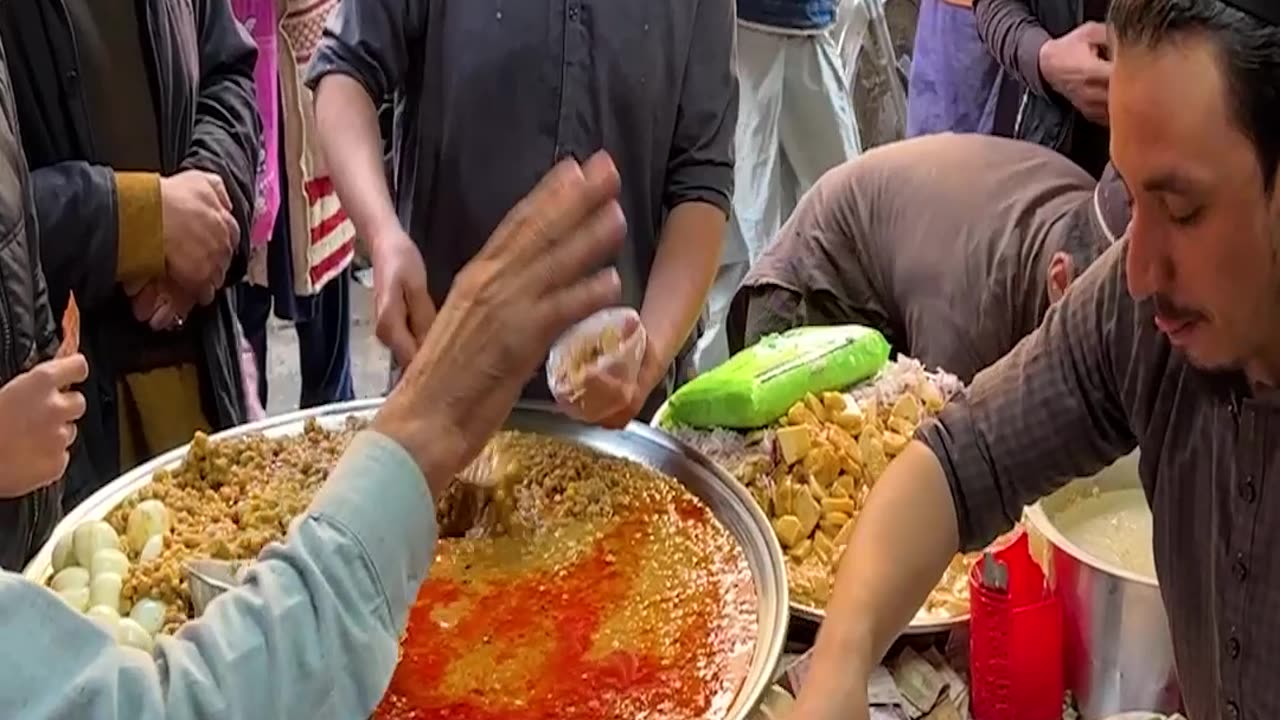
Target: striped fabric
point(329, 232)
point(332, 233)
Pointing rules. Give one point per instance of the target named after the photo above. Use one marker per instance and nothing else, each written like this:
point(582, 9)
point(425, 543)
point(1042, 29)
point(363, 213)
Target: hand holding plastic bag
point(594, 367)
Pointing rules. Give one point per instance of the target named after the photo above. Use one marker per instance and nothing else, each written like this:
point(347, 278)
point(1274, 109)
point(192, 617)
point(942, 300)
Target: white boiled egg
point(91, 537)
point(107, 618)
point(109, 560)
point(64, 554)
point(149, 614)
point(105, 590)
point(129, 632)
point(148, 519)
point(77, 598)
point(70, 579)
point(153, 548)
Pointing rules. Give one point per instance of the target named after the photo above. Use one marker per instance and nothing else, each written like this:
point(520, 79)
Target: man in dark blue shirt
point(489, 95)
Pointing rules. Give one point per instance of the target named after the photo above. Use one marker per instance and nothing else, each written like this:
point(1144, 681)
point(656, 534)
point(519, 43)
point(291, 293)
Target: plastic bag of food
point(610, 344)
point(758, 385)
point(70, 329)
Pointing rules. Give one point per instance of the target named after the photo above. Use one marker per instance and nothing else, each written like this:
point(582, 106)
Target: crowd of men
point(1105, 277)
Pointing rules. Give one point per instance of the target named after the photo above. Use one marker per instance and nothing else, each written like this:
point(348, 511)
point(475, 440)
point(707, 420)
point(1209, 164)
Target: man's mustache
point(1172, 311)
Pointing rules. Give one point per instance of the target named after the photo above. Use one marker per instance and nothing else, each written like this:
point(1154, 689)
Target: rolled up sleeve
point(371, 41)
point(701, 163)
point(1013, 35)
point(312, 633)
point(1051, 410)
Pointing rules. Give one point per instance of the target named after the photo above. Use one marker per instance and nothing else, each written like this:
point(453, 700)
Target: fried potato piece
point(907, 408)
point(788, 530)
point(794, 441)
point(834, 402)
point(807, 510)
point(822, 465)
point(836, 505)
point(783, 492)
point(894, 443)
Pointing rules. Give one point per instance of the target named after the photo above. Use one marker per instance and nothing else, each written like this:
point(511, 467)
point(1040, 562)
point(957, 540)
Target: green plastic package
point(759, 384)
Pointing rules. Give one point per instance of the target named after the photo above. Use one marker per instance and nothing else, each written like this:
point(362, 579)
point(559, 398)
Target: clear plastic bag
point(609, 345)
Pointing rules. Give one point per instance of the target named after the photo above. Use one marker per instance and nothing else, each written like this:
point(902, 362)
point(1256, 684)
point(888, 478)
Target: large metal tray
point(729, 502)
point(815, 615)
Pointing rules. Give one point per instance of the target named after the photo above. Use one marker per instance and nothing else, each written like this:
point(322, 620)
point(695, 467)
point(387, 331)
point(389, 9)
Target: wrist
point(385, 232)
point(432, 443)
point(1037, 55)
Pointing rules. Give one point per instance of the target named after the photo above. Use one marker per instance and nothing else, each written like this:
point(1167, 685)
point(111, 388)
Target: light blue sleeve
point(313, 633)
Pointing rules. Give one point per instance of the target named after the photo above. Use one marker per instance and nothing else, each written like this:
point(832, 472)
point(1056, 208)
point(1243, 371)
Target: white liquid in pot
point(1113, 526)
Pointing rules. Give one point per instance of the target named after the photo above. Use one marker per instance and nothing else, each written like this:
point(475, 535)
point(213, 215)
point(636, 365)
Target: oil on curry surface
point(586, 587)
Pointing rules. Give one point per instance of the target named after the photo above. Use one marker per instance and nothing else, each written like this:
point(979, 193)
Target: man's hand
point(613, 404)
point(1076, 65)
point(199, 232)
point(37, 424)
point(402, 307)
point(536, 276)
point(850, 706)
point(162, 304)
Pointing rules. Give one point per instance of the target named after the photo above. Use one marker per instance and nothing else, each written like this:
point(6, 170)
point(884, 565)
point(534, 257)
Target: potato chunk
point(807, 510)
point(794, 442)
point(788, 528)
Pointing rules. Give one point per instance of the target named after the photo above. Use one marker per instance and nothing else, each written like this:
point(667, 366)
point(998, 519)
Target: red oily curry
point(587, 587)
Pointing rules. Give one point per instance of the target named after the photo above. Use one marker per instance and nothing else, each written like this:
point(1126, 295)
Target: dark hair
point(1249, 54)
point(1082, 237)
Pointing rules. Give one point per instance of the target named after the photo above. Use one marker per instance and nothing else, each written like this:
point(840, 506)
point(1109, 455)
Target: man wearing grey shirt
point(1170, 343)
point(488, 95)
point(314, 630)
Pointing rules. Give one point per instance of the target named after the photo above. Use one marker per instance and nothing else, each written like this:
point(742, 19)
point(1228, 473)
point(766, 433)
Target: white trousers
point(795, 122)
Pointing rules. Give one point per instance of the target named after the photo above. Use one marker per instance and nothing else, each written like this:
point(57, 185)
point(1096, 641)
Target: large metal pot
point(729, 502)
point(1118, 652)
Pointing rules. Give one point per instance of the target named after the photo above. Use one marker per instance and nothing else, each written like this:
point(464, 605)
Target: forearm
point(350, 137)
point(140, 227)
point(77, 206)
point(682, 273)
point(227, 132)
point(320, 615)
point(1014, 36)
point(904, 539)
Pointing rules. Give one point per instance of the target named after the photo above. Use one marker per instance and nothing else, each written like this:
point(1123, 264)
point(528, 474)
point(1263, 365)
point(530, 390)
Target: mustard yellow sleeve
point(140, 247)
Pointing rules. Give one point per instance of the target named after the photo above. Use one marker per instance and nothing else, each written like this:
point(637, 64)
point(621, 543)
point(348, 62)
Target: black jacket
point(202, 78)
point(1050, 120)
point(27, 331)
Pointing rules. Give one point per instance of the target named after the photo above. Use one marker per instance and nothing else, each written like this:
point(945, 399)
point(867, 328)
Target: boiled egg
point(64, 554)
point(70, 579)
point(149, 614)
point(91, 537)
point(77, 598)
point(153, 548)
point(106, 617)
point(129, 632)
point(148, 519)
point(109, 560)
point(104, 590)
